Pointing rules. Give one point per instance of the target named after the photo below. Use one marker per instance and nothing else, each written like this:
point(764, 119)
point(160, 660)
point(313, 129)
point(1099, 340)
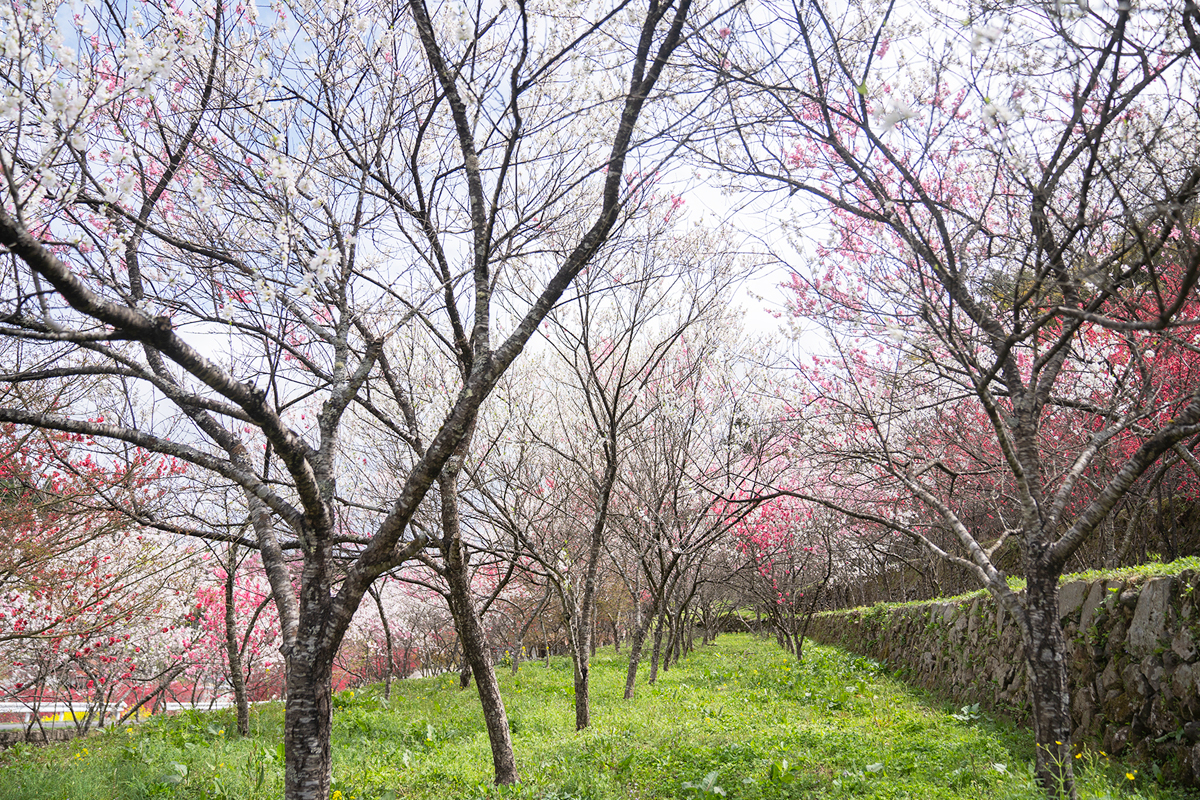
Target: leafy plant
point(706, 787)
point(969, 713)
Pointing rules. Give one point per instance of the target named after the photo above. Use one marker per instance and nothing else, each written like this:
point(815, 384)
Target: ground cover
point(738, 719)
point(1138, 572)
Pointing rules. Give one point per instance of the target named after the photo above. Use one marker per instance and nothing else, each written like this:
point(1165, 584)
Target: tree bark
point(470, 630)
point(584, 623)
point(233, 655)
point(641, 629)
point(308, 722)
point(387, 640)
point(494, 715)
point(658, 639)
point(1046, 665)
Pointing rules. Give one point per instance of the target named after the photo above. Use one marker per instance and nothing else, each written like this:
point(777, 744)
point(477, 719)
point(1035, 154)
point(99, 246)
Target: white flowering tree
point(691, 472)
point(257, 218)
point(615, 339)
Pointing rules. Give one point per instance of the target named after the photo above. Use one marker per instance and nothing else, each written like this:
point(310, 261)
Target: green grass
point(738, 716)
point(1137, 573)
point(1151, 569)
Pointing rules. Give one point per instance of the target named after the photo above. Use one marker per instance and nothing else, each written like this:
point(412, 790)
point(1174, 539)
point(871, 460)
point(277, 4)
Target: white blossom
point(984, 34)
point(324, 258)
point(996, 114)
point(897, 111)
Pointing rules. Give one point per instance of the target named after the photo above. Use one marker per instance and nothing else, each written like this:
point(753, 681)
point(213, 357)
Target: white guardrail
point(53, 710)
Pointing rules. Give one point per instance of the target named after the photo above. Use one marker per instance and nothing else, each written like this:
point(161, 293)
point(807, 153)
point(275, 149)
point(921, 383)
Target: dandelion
point(1131, 775)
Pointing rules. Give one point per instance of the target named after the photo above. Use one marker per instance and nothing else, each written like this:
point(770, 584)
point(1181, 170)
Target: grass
point(737, 719)
point(1137, 573)
point(1154, 568)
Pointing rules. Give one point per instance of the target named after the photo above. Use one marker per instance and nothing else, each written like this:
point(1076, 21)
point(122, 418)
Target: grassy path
point(738, 719)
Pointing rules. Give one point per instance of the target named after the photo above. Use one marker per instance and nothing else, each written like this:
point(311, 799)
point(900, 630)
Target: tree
point(789, 554)
point(695, 452)
point(69, 566)
point(1012, 214)
point(244, 216)
point(240, 628)
point(611, 340)
point(78, 580)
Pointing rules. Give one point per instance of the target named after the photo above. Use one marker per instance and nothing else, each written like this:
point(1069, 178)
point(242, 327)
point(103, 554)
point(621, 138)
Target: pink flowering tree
point(1003, 251)
point(789, 551)
point(239, 648)
point(74, 573)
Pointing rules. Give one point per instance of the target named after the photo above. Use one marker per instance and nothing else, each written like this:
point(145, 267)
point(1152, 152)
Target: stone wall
point(1133, 656)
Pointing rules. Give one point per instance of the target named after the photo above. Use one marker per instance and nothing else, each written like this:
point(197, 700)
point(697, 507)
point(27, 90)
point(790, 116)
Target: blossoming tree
point(256, 219)
point(1011, 211)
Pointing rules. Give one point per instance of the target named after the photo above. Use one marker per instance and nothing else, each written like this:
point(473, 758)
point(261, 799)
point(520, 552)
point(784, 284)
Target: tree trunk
point(307, 722)
point(470, 630)
point(672, 636)
point(580, 629)
point(1045, 661)
point(681, 636)
point(640, 630)
point(583, 706)
point(494, 715)
point(584, 623)
point(595, 634)
point(387, 640)
point(658, 638)
point(232, 652)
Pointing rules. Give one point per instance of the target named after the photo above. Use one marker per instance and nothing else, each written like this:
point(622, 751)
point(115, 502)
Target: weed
point(705, 788)
point(738, 719)
point(969, 713)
